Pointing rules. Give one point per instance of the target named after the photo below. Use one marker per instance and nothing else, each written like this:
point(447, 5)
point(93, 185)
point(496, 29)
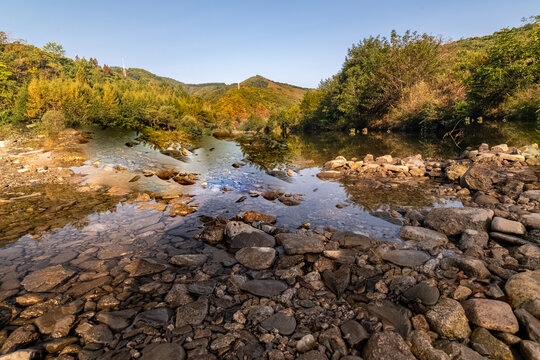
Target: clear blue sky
point(293, 41)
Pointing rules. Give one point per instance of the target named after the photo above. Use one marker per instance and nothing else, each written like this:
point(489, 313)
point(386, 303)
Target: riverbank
point(458, 282)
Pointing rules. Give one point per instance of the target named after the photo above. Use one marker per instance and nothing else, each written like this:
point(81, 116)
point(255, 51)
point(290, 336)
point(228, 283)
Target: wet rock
point(394, 314)
point(252, 239)
point(95, 334)
point(342, 256)
point(252, 216)
point(332, 340)
point(312, 355)
point(289, 201)
point(448, 319)
point(426, 239)
point(188, 260)
point(108, 301)
point(500, 224)
point(299, 243)
point(193, 313)
point(428, 295)
point(165, 351)
point(491, 314)
point(487, 345)
point(256, 257)
point(79, 289)
point(178, 296)
point(349, 239)
point(5, 316)
point(203, 287)
point(353, 332)
point(156, 318)
point(458, 351)
point(422, 348)
point(387, 345)
point(222, 343)
point(337, 281)
point(523, 287)
point(21, 336)
point(306, 343)
point(408, 258)
point(264, 288)
point(116, 320)
point(58, 322)
point(513, 188)
point(57, 345)
point(213, 234)
point(530, 350)
point(46, 279)
point(143, 267)
point(283, 323)
point(166, 174)
point(454, 220)
point(478, 178)
point(530, 324)
point(507, 239)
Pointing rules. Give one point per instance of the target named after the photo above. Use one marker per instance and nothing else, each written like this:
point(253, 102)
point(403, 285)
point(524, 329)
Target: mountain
point(141, 74)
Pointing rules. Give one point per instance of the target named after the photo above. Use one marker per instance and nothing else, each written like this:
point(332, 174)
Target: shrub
point(53, 122)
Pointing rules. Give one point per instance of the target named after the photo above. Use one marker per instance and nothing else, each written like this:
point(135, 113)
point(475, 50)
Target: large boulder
point(478, 178)
point(455, 220)
point(523, 287)
point(448, 319)
point(491, 314)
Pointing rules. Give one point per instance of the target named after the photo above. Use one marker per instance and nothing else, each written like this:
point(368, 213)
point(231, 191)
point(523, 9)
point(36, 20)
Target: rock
point(284, 324)
point(156, 318)
point(530, 350)
point(332, 340)
point(349, 239)
point(448, 319)
point(393, 314)
point(502, 148)
point(342, 256)
point(353, 332)
point(213, 234)
point(507, 226)
point(455, 171)
point(252, 216)
point(252, 239)
point(116, 320)
point(188, 260)
point(491, 314)
point(421, 347)
point(337, 281)
point(530, 324)
point(458, 351)
point(299, 243)
point(203, 287)
point(193, 313)
point(256, 257)
point(164, 351)
point(143, 267)
point(46, 279)
point(178, 296)
point(222, 342)
point(26, 354)
point(58, 321)
point(507, 239)
point(408, 258)
point(387, 345)
point(426, 239)
point(454, 220)
point(264, 288)
point(531, 195)
point(95, 334)
point(312, 355)
point(472, 239)
point(471, 266)
point(428, 295)
point(478, 177)
point(487, 345)
point(57, 345)
point(531, 220)
point(523, 287)
point(306, 343)
point(21, 336)
point(462, 293)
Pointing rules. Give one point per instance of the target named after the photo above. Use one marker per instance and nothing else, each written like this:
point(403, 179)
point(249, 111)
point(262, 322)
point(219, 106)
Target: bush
point(53, 122)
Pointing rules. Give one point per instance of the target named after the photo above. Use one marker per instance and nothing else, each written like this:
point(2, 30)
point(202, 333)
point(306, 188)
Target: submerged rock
point(46, 279)
point(143, 267)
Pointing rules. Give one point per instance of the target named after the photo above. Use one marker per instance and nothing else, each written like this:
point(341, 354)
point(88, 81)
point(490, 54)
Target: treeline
point(417, 82)
point(42, 85)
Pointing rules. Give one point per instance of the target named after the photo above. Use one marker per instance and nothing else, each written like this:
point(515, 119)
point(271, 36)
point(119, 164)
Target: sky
point(296, 41)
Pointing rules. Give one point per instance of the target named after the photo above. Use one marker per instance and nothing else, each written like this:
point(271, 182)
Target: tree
point(107, 71)
point(56, 50)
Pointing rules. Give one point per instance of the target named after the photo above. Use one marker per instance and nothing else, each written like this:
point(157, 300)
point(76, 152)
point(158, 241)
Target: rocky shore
point(462, 283)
